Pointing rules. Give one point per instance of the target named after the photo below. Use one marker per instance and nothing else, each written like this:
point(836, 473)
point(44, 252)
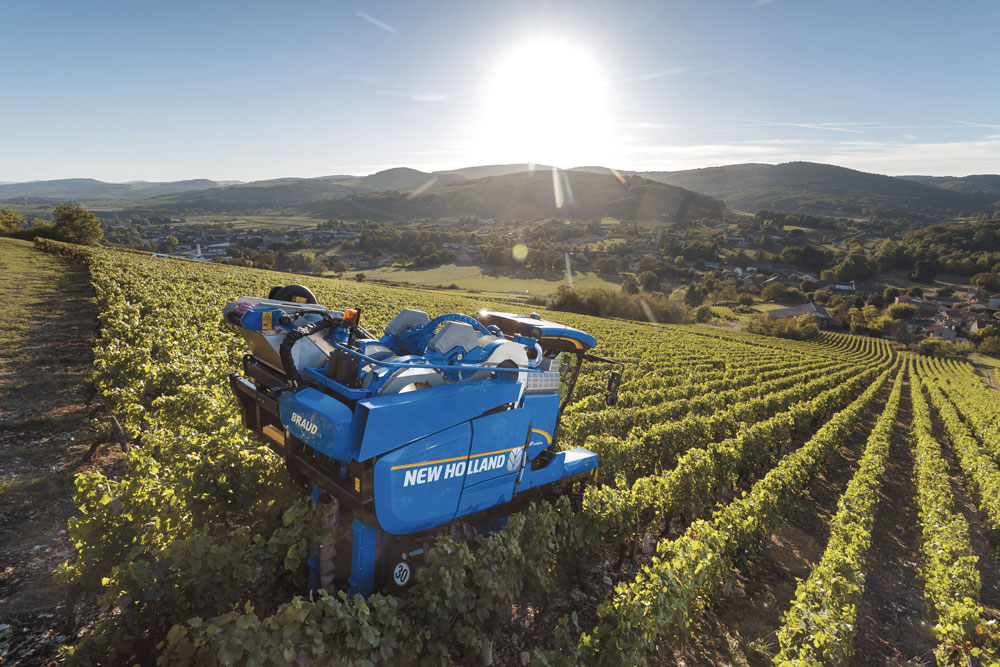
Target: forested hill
point(83, 189)
point(826, 190)
point(985, 184)
point(529, 195)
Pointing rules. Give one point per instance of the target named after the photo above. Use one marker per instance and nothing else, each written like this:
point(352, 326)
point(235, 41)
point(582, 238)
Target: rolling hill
point(526, 191)
point(530, 195)
point(822, 189)
point(88, 189)
point(986, 184)
point(485, 171)
point(296, 192)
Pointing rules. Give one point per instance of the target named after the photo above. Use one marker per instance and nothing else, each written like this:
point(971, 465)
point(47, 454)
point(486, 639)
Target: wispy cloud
point(371, 80)
point(967, 123)
point(419, 96)
point(831, 127)
point(375, 22)
point(643, 125)
point(660, 74)
point(650, 76)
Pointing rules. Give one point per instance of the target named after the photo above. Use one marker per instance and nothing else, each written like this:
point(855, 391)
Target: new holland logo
point(304, 424)
point(514, 459)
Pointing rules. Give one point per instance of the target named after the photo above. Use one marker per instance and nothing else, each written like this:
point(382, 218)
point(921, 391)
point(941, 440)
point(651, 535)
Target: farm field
point(276, 221)
point(759, 501)
point(477, 278)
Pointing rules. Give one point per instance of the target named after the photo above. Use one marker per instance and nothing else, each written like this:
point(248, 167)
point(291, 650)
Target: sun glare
point(546, 102)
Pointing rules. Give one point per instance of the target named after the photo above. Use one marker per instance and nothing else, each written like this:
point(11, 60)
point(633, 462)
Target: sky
point(123, 91)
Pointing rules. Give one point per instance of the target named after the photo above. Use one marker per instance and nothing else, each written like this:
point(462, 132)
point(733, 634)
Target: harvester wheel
point(296, 293)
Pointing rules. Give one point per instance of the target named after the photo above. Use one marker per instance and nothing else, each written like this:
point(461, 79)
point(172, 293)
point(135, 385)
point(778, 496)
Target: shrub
point(801, 327)
point(608, 303)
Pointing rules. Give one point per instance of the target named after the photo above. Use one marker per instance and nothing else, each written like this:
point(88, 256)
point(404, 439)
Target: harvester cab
point(442, 425)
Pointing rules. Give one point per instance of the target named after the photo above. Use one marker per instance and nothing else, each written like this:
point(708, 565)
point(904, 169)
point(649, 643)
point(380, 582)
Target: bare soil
point(893, 627)
point(45, 343)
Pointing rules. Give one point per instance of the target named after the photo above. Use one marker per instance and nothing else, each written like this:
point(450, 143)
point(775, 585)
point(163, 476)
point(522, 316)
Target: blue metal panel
point(497, 445)
point(364, 544)
point(495, 460)
point(564, 464)
point(321, 421)
point(490, 493)
point(418, 487)
point(543, 408)
point(387, 422)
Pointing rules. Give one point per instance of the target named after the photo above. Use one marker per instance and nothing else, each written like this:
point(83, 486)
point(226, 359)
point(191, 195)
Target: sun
point(546, 102)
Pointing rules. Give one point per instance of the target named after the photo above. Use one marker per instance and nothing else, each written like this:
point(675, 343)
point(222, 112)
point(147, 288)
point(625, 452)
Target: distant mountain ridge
point(810, 187)
point(988, 184)
point(530, 195)
point(91, 189)
point(806, 187)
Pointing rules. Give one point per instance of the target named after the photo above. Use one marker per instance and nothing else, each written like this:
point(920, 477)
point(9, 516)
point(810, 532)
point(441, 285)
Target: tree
point(945, 292)
point(74, 224)
point(901, 311)
point(693, 296)
point(876, 300)
point(925, 270)
point(171, 241)
point(11, 221)
point(987, 282)
point(890, 293)
point(915, 292)
point(990, 346)
point(649, 281)
point(807, 286)
point(779, 293)
point(629, 286)
point(745, 299)
point(340, 266)
point(360, 277)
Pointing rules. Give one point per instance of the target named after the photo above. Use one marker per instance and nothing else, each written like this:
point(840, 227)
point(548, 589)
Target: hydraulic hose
point(294, 336)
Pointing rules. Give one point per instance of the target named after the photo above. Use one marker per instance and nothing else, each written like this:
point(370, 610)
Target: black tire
point(294, 293)
point(274, 292)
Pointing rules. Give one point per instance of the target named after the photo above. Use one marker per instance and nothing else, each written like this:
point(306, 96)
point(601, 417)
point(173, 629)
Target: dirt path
point(743, 628)
point(893, 627)
point(48, 324)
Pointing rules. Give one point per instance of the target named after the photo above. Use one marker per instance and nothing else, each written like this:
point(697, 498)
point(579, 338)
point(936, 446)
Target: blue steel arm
point(460, 367)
